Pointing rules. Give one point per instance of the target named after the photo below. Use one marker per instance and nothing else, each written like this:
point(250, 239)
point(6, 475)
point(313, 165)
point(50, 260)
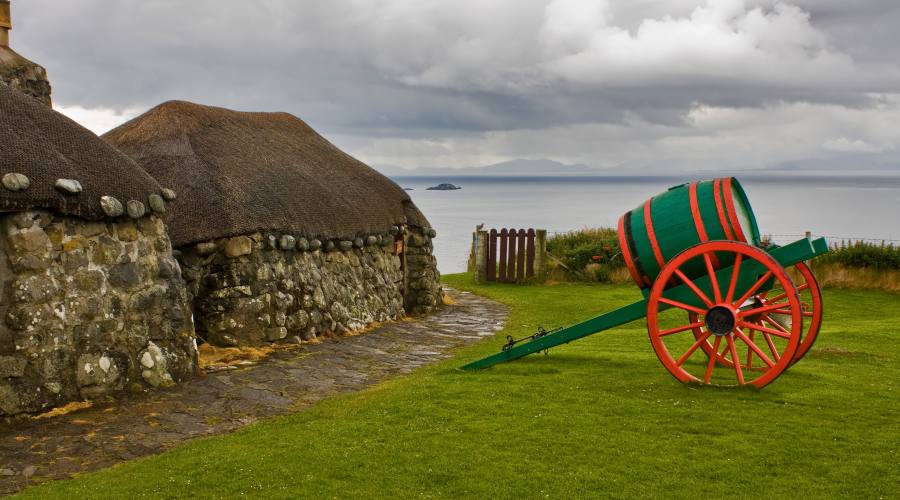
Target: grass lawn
point(597, 418)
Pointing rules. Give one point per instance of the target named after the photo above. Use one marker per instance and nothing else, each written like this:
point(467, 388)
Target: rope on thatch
point(48, 161)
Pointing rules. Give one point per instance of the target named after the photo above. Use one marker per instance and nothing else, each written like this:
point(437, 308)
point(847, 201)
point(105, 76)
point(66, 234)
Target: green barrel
point(665, 225)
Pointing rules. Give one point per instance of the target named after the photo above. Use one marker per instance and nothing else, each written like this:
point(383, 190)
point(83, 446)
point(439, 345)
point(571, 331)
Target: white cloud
point(723, 41)
point(514, 45)
point(97, 120)
point(845, 145)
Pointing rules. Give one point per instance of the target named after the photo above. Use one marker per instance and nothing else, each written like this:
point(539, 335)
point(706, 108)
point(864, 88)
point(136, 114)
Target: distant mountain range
point(875, 165)
point(514, 167)
point(878, 162)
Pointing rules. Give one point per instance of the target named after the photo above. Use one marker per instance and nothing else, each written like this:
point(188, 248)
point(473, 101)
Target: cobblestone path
point(287, 381)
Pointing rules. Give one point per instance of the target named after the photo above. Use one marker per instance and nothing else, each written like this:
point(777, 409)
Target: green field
point(597, 418)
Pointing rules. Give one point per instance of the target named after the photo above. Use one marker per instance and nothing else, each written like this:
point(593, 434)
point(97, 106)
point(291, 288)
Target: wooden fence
point(509, 255)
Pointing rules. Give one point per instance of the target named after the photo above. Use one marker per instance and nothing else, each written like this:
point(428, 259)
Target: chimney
point(17, 72)
point(5, 23)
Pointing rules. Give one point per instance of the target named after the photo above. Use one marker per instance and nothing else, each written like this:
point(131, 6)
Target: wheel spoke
point(778, 326)
point(750, 350)
point(753, 289)
point(692, 286)
point(771, 346)
point(781, 311)
point(684, 357)
point(752, 345)
point(763, 309)
point(735, 272)
point(688, 326)
point(734, 359)
point(808, 314)
point(713, 281)
point(681, 305)
point(764, 329)
point(784, 294)
point(712, 360)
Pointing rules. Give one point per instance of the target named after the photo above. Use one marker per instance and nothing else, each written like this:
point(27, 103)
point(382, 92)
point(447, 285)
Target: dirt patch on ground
point(213, 358)
point(837, 352)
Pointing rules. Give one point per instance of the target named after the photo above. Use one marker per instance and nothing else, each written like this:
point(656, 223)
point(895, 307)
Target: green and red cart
point(722, 308)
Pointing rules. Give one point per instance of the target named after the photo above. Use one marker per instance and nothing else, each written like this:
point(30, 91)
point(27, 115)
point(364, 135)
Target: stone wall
point(256, 288)
point(24, 76)
point(268, 287)
point(423, 281)
point(88, 309)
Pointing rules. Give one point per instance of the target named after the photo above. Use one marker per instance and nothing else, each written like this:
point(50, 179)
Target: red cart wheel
point(727, 317)
point(810, 300)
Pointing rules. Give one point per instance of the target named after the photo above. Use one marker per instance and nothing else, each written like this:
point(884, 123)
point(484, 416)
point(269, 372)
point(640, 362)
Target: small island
point(444, 187)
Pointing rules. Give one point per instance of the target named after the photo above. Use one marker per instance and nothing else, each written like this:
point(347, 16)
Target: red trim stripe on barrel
point(626, 255)
point(654, 244)
point(717, 194)
point(732, 214)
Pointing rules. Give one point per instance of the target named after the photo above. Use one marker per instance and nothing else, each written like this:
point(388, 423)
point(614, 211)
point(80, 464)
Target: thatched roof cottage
point(282, 234)
point(92, 297)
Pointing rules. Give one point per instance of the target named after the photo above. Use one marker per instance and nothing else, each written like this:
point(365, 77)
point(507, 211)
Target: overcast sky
point(636, 86)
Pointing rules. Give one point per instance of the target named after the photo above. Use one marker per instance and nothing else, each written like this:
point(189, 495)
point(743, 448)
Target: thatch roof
point(45, 146)
point(237, 173)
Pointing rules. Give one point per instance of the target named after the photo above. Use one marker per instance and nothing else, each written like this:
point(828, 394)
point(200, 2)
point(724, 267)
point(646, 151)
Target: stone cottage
point(281, 234)
point(92, 297)
point(16, 71)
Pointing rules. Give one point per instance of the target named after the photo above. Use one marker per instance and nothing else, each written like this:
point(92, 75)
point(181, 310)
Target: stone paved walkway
point(288, 380)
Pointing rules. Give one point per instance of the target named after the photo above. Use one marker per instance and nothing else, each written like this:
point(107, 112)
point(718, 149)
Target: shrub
point(599, 272)
point(590, 254)
point(861, 254)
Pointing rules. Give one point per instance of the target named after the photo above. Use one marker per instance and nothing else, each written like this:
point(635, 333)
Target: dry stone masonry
point(24, 76)
point(88, 309)
point(260, 288)
point(423, 281)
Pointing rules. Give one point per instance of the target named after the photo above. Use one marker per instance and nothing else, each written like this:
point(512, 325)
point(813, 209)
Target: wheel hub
point(720, 320)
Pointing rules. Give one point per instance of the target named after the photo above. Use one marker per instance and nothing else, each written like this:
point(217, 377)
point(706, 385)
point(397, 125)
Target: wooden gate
point(510, 255)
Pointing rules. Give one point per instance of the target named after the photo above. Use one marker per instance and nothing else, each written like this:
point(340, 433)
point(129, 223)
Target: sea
point(838, 207)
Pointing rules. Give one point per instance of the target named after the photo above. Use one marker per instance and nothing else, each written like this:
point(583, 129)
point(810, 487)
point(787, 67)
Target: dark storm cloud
point(372, 72)
point(865, 30)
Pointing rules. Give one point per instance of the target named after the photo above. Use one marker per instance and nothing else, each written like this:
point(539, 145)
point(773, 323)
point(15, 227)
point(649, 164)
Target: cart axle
point(720, 320)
